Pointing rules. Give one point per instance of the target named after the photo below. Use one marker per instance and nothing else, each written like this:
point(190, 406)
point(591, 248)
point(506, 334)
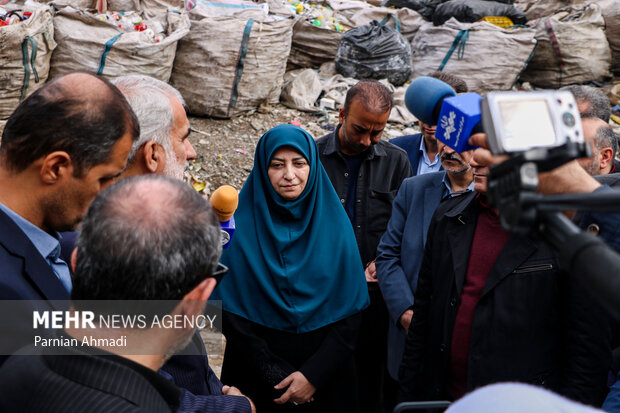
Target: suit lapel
point(429, 205)
point(515, 252)
point(36, 267)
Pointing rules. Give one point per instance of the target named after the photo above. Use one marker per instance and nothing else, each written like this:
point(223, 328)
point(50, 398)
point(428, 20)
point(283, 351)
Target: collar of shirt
point(43, 242)
point(448, 191)
point(425, 155)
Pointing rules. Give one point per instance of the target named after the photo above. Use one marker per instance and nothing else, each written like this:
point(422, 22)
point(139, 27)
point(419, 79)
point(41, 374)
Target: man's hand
point(405, 319)
point(371, 272)
point(233, 391)
point(299, 391)
point(569, 178)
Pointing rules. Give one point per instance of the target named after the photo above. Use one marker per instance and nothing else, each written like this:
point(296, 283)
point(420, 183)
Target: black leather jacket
point(533, 322)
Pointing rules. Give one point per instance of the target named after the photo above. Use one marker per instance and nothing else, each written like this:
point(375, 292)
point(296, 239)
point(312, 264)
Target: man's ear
point(606, 158)
point(154, 156)
point(202, 291)
point(341, 116)
point(194, 301)
point(74, 259)
point(56, 166)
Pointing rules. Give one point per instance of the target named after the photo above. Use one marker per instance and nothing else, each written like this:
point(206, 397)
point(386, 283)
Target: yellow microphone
point(224, 202)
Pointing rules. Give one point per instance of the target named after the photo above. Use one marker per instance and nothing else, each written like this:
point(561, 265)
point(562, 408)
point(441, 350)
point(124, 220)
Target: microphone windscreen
point(423, 95)
point(224, 202)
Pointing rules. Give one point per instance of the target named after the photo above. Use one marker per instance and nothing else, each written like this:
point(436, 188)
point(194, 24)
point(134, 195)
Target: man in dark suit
point(491, 306)
point(146, 238)
point(400, 252)
point(61, 146)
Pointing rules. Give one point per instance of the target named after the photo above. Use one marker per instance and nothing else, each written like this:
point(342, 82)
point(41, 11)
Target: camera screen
point(526, 124)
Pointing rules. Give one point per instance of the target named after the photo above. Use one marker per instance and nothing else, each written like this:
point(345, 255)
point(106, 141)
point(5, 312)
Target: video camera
point(539, 131)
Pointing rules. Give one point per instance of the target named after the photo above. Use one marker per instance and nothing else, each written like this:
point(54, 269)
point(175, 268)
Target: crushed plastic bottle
point(153, 31)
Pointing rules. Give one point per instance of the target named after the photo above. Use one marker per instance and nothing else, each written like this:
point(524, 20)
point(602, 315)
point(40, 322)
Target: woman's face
point(288, 172)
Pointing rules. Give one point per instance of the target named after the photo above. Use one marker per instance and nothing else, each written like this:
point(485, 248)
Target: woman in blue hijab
point(295, 288)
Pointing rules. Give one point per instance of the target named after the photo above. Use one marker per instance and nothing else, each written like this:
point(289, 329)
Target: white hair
point(150, 100)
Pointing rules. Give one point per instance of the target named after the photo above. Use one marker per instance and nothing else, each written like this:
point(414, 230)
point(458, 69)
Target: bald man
point(604, 147)
point(60, 147)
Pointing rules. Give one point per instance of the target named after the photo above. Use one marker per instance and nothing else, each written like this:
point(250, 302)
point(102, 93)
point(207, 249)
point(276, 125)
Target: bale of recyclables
point(486, 56)
point(405, 21)
point(87, 43)
point(228, 65)
point(611, 14)
point(537, 9)
point(100, 5)
point(572, 48)
point(25, 52)
point(312, 46)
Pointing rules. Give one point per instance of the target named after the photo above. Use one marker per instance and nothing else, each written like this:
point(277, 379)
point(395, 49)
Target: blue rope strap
point(241, 62)
point(108, 46)
point(459, 45)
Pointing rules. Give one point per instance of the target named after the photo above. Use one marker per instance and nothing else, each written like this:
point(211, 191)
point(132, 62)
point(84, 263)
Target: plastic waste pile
point(319, 15)
point(13, 16)
point(130, 22)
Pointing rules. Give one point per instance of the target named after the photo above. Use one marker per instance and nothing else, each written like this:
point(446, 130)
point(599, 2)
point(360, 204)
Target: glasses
point(220, 272)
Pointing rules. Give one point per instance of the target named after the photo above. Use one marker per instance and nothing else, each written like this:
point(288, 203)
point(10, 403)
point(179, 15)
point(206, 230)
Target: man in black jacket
point(493, 306)
point(366, 173)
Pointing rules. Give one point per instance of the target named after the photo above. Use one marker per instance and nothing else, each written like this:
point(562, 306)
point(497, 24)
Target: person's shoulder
point(393, 151)
point(406, 140)
point(424, 180)
point(322, 141)
point(612, 180)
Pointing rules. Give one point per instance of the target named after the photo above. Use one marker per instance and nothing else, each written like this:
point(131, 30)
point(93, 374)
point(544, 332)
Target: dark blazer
point(400, 252)
point(533, 323)
point(83, 382)
point(411, 145)
point(24, 275)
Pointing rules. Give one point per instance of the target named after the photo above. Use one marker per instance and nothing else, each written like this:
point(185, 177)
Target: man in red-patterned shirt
point(492, 306)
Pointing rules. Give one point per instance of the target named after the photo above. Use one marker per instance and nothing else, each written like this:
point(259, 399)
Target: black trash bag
point(425, 7)
point(469, 11)
point(374, 51)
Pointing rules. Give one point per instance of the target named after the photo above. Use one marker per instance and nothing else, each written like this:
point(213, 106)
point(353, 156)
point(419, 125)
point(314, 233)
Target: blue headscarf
point(294, 265)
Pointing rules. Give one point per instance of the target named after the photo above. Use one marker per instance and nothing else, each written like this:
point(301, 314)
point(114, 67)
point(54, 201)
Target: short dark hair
point(146, 238)
point(458, 84)
point(54, 119)
point(375, 96)
point(599, 103)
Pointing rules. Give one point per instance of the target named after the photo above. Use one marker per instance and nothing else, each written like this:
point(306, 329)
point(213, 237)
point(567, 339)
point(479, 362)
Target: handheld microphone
point(224, 202)
point(435, 103)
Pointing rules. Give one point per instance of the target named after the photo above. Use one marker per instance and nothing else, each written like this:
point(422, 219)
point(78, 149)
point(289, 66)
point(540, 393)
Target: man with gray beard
point(163, 147)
